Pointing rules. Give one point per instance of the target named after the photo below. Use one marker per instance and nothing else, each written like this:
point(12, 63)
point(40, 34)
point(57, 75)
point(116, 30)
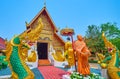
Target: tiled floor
point(51, 72)
point(7, 71)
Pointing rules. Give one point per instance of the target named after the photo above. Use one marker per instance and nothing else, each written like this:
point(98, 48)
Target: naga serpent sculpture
point(113, 65)
point(15, 49)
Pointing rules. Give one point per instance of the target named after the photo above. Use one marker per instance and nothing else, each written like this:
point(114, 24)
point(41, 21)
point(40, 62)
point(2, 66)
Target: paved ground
point(94, 65)
point(6, 73)
point(95, 68)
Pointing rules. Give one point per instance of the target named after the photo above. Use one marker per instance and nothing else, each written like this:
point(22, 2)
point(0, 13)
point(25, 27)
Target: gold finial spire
point(26, 23)
point(44, 3)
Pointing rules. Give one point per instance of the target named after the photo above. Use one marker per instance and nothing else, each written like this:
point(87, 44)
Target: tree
point(112, 32)
point(116, 42)
point(94, 39)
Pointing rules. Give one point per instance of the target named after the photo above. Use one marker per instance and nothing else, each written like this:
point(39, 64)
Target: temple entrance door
point(42, 49)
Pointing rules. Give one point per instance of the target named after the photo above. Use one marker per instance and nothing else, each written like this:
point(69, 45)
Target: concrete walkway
point(94, 65)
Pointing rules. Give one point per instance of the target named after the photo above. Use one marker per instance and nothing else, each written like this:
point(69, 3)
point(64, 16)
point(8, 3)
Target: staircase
point(44, 62)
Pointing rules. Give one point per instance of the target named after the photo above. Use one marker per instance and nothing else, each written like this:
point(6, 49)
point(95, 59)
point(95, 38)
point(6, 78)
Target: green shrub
point(3, 62)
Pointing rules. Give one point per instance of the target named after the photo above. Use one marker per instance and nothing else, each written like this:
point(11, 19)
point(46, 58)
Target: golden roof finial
point(44, 3)
point(26, 23)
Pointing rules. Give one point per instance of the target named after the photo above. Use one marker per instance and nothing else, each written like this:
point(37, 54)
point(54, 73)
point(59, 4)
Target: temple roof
point(60, 38)
point(39, 13)
point(50, 19)
point(2, 43)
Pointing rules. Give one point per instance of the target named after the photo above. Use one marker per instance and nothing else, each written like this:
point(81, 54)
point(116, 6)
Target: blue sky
point(77, 14)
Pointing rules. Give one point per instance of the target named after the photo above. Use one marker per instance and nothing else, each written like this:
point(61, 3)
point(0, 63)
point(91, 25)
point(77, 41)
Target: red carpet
point(51, 72)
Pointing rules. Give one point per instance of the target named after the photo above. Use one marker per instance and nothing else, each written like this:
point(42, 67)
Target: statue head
point(16, 41)
point(79, 37)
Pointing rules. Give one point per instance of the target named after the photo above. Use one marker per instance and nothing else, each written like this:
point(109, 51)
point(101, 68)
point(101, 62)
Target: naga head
point(21, 44)
point(17, 41)
point(110, 47)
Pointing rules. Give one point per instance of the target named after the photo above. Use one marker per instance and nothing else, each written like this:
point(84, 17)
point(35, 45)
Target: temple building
point(48, 36)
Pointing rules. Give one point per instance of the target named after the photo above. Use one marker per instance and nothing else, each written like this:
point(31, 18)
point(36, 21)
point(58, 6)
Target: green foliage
point(116, 42)
point(76, 75)
point(111, 30)
point(94, 39)
point(3, 63)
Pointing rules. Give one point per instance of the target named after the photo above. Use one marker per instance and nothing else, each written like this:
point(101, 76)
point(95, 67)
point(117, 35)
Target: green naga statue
point(113, 64)
point(15, 49)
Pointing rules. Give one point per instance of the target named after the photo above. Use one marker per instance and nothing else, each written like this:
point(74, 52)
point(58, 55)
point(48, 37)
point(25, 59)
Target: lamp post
point(69, 32)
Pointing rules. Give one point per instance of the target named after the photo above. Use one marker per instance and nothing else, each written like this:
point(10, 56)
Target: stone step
point(44, 62)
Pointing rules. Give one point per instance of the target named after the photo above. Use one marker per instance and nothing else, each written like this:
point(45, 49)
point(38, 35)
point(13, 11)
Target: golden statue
point(69, 53)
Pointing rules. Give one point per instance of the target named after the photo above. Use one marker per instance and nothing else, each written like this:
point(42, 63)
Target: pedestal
point(5, 77)
point(66, 77)
point(104, 73)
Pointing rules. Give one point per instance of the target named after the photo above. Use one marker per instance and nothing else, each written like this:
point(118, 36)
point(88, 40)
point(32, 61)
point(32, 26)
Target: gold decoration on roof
point(33, 34)
point(26, 23)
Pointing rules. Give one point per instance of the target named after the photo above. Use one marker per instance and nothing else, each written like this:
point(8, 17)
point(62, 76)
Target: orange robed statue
point(82, 54)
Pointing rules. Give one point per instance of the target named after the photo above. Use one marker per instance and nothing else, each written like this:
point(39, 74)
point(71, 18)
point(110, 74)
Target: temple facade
point(49, 39)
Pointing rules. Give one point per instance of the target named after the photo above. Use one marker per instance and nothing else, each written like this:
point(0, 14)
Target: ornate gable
point(49, 27)
point(43, 14)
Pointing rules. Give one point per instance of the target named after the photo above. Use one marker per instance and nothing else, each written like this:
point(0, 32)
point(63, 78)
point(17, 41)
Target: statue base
point(104, 73)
